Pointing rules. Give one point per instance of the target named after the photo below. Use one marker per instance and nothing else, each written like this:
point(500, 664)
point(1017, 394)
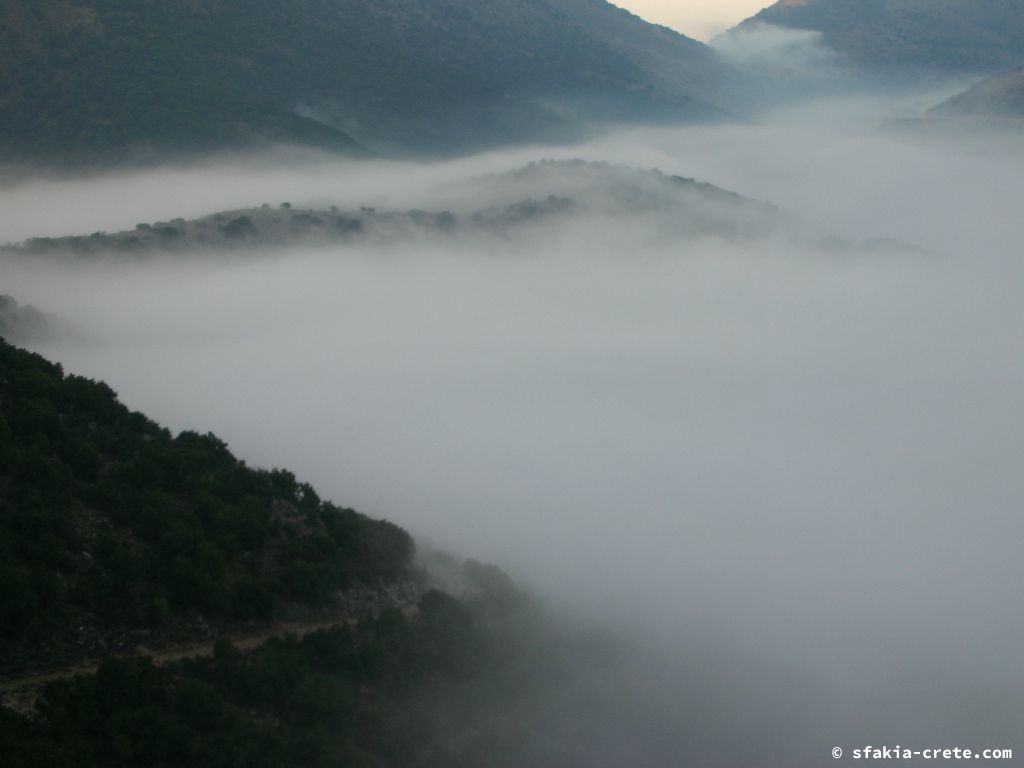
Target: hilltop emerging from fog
point(548, 192)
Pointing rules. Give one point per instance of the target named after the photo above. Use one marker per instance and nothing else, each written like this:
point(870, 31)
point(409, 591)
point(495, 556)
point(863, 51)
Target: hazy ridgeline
point(785, 469)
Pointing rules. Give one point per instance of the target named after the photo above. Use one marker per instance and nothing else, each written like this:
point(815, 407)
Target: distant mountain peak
point(926, 35)
point(102, 80)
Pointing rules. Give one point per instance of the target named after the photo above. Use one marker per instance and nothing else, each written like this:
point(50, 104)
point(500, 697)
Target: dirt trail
point(22, 693)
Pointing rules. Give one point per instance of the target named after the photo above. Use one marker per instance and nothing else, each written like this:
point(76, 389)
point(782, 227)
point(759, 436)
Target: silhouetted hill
point(115, 533)
point(542, 193)
point(112, 530)
point(923, 35)
point(102, 80)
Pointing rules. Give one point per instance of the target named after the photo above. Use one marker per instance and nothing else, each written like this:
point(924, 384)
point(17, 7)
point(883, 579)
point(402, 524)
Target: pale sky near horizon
point(702, 19)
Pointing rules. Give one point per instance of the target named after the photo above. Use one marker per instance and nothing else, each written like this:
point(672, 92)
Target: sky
point(702, 19)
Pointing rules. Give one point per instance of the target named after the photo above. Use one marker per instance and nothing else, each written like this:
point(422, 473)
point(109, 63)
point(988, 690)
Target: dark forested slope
point(110, 526)
point(93, 79)
point(113, 530)
point(344, 698)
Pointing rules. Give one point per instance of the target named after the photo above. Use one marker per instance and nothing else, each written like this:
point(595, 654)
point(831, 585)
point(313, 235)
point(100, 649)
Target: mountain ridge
point(106, 80)
point(943, 36)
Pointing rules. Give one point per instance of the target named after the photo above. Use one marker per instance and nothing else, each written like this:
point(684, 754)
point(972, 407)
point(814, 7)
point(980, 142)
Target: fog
point(782, 50)
point(788, 470)
point(796, 67)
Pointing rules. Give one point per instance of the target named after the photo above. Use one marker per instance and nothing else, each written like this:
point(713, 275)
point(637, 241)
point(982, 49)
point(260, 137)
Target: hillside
point(114, 532)
point(999, 96)
point(339, 697)
point(920, 35)
point(106, 80)
point(539, 194)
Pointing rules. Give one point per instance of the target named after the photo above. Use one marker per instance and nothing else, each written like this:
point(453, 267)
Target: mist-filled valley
point(767, 438)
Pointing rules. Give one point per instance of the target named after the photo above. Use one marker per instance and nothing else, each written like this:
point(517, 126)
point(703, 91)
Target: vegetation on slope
point(112, 529)
point(92, 80)
point(939, 35)
point(451, 685)
point(107, 518)
point(340, 697)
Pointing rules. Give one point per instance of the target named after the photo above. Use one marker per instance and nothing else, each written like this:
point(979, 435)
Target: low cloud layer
point(781, 50)
point(788, 470)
